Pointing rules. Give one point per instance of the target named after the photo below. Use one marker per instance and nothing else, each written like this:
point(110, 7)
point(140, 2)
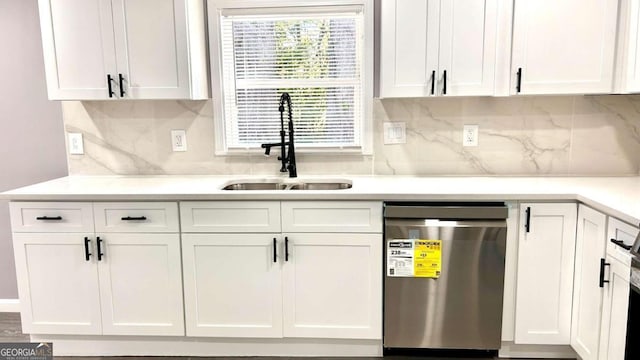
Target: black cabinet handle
point(621, 244)
point(602, 265)
point(87, 254)
point(527, 223)
point(519, 80)
point(57, 218)
point(121, 85)
point(275, 251)
point(444, 83)
point(100, 254)
point(109, 80)
point(433, 82)
point(286, 248)
point(134, 218)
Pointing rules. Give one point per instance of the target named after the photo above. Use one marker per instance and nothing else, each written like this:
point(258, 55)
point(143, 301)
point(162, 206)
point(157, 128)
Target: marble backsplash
point(561, 135)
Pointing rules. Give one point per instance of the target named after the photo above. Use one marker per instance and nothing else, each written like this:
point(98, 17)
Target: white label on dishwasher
point(400, 258)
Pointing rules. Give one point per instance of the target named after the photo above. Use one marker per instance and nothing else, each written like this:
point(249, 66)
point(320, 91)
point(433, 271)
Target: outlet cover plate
point(395, 133)
point(470, 135)
point(76, 147)
point(179, 140)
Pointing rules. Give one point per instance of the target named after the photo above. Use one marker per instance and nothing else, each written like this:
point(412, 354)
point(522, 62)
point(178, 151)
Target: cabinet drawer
point(230, 216)
point(132, 217)
point(619, 230)
point(332, 216)
point(51, 217)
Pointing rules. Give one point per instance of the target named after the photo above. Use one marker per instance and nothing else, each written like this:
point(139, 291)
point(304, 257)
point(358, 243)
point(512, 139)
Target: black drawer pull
point(275, 251)
point(621, 244)
point(109, 80)
point(100, 253)
point(134, 218)
point(286, 248)
point(602, 280)
point(45, 218)
point(527, 224)
point(87, 254)
point(121, 78)
point(444, 83)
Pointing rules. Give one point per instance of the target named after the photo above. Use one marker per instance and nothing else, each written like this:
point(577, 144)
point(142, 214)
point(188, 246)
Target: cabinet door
point(468, 46)
point(58, 286)
point(564, 46)
point(614, 312)
point(545, 273)
point(78, 45)
point(409, 48)
point(587, 295)
point(232, 285)
point(152, 48)
point(333, 286)
point(629, 47)
point(141, 284)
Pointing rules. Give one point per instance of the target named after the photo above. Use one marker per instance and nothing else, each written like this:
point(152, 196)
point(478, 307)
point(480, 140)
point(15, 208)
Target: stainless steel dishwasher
point(459, 305)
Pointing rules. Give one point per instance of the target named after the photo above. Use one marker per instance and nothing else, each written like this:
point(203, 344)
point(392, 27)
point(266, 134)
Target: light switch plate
point(470, 135)
point(395, 133)
point(76, 146)
point(179, 140)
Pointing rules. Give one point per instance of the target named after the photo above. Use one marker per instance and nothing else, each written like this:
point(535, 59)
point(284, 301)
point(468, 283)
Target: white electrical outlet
point(75, 143)
point(179, 140)
point(470, 135)
point(395, 133)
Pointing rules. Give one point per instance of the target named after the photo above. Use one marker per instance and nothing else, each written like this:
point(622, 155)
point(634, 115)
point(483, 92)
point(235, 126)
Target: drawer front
point(332, 216)
point(230, 216)
point(66, 217)
point(133, 217)
point(619, 230)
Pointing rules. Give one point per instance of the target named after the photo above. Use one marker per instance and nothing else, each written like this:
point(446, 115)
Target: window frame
point(215, 10)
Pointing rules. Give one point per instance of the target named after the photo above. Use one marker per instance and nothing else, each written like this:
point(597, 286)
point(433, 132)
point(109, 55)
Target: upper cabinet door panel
point(151, 38)
point(468, 46)
point(78, 45)
point(564, 46)
point(408, 47)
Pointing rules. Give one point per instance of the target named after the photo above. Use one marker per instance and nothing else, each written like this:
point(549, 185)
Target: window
point(315, 53)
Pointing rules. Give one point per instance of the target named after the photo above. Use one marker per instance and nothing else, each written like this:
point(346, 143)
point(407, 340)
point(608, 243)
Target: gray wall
point(31, 132)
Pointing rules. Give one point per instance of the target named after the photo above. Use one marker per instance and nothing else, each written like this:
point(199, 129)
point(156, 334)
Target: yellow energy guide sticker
point(427, 258)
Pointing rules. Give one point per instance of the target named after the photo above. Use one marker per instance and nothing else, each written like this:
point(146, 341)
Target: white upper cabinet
point(627, 62)
point(124, 49)
point(563, 46)
point(433, 47)
point(78, 44)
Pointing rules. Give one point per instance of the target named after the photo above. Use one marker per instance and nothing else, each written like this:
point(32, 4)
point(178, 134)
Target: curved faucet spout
point(288, 157)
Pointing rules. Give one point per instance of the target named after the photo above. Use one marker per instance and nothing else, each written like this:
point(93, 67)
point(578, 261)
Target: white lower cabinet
point(615, 307)
point(141, 284)
point(107, 283)
point(545, 273)
point(283, 284)
point(59, 291)
point(232, 285)
point(587, 292)
point(332, 286)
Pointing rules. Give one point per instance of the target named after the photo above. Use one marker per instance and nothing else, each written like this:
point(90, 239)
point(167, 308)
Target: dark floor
point(10, 331)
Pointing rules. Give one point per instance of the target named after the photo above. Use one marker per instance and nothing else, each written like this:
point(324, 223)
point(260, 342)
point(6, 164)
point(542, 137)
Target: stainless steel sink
point(321, 186)
point(287, 184)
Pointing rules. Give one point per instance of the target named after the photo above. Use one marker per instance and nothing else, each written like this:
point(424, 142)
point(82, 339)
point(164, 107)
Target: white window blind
point(315, 56)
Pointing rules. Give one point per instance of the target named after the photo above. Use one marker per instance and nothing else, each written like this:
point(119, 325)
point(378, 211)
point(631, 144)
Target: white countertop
point(617, 196)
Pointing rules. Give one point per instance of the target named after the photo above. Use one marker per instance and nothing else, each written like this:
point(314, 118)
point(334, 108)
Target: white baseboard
point(9, 305)
point(67, 345)
point(512, 350)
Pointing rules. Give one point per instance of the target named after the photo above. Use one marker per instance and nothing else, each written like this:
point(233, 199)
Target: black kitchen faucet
point(288, 161)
